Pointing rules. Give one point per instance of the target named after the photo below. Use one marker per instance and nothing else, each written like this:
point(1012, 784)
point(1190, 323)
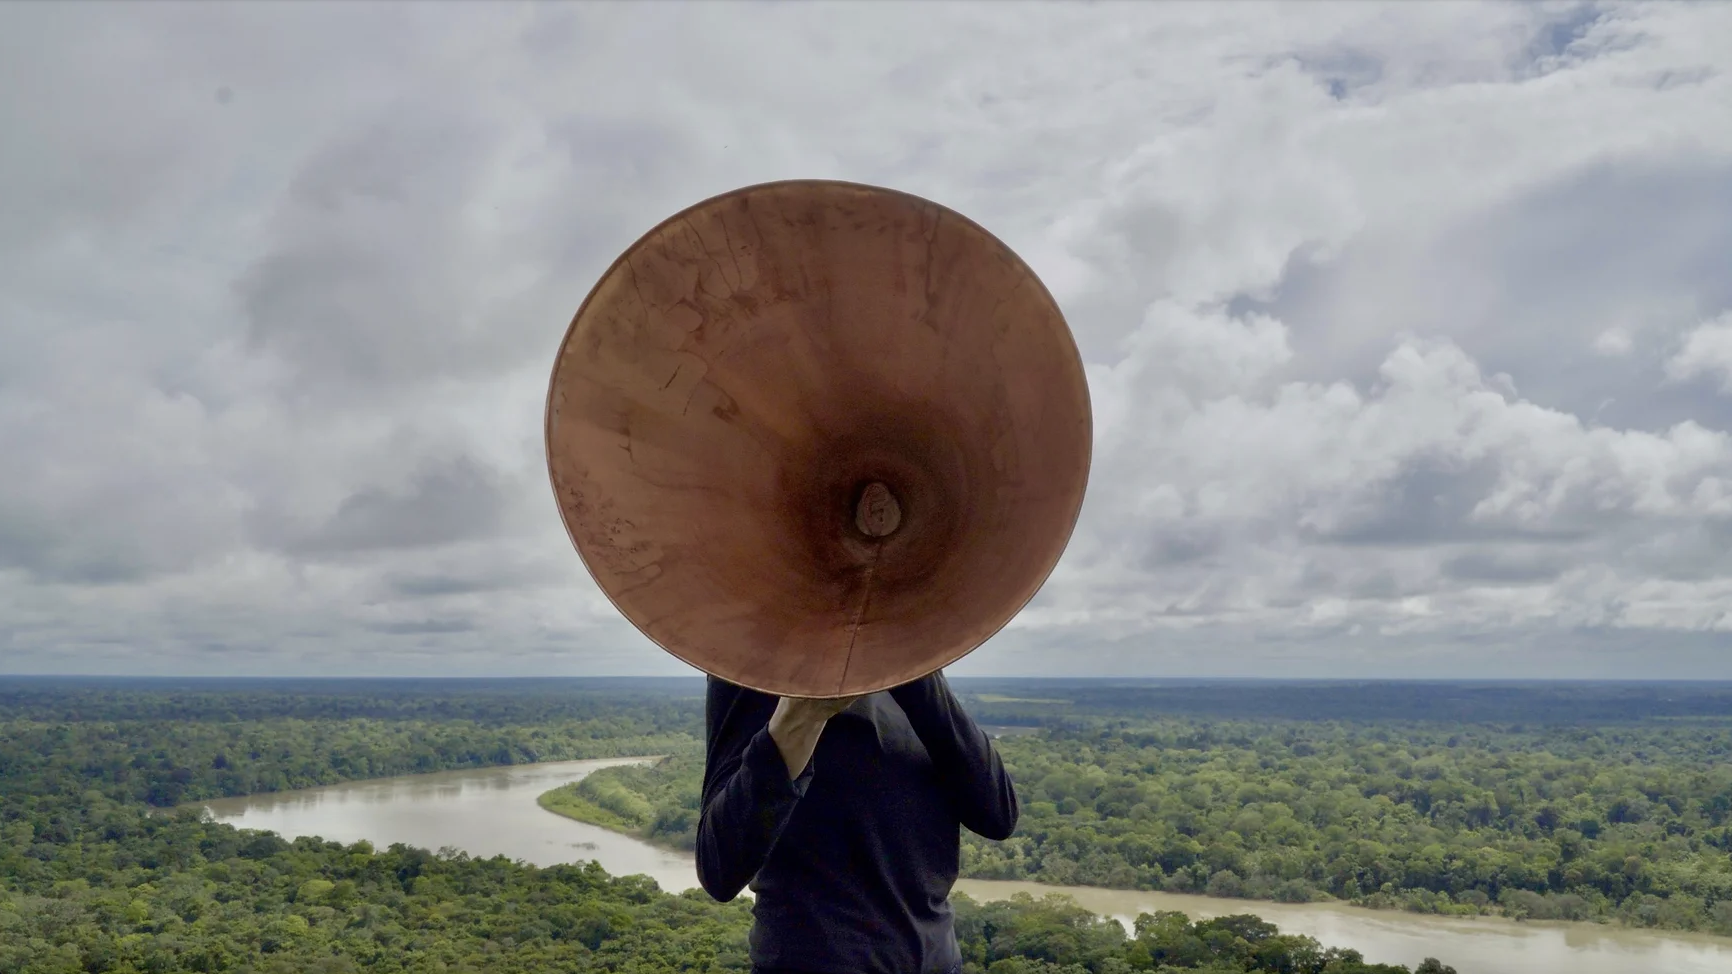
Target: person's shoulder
point(731, 709)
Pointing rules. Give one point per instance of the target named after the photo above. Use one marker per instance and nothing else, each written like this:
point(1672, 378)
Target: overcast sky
point(1408, 325)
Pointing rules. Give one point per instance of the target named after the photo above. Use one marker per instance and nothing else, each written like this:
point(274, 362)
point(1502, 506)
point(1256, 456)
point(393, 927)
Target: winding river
point(492, 811)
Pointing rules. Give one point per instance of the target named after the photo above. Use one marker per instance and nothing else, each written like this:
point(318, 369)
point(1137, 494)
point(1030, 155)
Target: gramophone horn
point(818, 438)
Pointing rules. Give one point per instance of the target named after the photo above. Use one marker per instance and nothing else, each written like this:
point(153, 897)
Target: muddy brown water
point(492, 811)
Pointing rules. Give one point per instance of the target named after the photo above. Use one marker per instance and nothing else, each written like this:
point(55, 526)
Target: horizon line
point(1505, 681)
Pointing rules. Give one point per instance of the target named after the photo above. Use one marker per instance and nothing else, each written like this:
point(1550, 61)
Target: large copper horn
point(818, 438)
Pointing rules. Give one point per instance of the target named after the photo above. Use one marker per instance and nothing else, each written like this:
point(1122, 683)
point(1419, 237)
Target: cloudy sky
point(1408, 326)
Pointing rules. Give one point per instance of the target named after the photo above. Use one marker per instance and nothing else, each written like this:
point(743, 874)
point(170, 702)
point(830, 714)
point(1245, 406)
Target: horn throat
point(878, 513)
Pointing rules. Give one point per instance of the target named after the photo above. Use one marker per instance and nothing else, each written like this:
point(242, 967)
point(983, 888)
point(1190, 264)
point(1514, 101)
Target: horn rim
point(1073, 362)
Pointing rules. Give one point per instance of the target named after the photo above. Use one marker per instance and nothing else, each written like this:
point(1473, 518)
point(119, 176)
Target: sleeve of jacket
point(963, 753)
point(747, 796)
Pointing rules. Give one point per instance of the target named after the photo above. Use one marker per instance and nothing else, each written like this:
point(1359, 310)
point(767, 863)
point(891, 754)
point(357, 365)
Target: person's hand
point(797, 724)
point(811, 710)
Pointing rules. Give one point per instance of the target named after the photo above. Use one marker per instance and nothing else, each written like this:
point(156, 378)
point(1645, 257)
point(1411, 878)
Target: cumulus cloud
point(1431, 499)
point(1706, 352)
point(1406, 325)
point(1613, 341)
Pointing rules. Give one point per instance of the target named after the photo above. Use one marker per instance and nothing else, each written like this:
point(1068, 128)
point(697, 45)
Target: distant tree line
point(1518, 705)
point(668, 704)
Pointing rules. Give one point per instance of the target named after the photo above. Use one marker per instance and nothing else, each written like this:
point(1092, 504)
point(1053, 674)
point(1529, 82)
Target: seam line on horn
point(859, 615)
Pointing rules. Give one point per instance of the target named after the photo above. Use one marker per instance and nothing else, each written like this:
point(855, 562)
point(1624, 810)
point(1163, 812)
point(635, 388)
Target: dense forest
point(100, 873)
point(1627, 821)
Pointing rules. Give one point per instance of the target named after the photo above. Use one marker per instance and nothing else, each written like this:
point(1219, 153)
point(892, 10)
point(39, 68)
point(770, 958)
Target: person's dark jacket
point(852, 862)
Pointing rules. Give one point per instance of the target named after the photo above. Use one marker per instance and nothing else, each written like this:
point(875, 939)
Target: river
point(492, 811)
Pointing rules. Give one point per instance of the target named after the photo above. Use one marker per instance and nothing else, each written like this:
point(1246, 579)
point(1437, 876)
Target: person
point(845, 818)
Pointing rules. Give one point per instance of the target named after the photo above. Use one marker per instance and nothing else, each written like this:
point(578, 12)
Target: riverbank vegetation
point(99, 874)
point(657, 803)
point(1627, 821)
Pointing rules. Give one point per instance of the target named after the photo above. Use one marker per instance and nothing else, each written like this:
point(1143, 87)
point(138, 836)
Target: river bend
point(492, 811)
